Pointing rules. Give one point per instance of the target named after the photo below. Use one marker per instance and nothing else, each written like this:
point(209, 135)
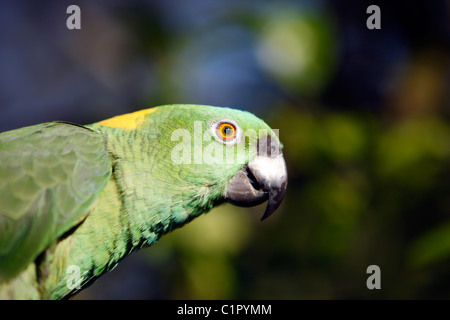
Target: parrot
point(77, 199)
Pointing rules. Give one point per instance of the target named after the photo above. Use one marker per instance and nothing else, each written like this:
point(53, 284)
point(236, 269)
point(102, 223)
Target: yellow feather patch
point(127, 121)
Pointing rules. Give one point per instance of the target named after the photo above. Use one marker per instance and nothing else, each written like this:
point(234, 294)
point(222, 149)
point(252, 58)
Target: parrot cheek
point(243, 190)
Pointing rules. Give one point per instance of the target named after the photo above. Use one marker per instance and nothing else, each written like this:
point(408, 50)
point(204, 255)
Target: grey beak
point(264, 178)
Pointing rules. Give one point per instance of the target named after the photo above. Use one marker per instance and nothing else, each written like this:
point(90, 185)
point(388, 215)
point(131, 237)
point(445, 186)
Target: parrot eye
point(226, 131)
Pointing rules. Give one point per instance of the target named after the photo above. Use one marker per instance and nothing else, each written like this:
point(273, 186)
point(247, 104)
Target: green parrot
point(76, 199)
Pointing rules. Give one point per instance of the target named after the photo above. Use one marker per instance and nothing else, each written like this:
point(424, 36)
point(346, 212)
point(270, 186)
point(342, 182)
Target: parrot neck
point(139, 204)
point(154, 198)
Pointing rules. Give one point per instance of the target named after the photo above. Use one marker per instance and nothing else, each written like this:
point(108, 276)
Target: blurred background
point(363, 114)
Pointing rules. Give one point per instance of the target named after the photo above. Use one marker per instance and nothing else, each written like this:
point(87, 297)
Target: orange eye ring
point(227, 131)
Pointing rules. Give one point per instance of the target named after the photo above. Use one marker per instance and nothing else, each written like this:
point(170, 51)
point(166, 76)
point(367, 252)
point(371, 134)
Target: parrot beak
point(264, 178)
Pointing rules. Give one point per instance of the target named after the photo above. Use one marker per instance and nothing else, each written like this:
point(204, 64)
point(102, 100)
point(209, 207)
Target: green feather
point(42, 194)
point(87, 196)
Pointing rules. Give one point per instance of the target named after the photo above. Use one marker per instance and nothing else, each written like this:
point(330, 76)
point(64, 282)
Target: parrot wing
point(50, 176)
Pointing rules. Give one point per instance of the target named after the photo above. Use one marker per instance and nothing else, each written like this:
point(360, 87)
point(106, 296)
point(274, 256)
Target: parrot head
point(205, 155)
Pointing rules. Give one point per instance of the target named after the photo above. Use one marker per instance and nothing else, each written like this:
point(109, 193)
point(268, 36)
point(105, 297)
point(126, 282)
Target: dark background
point(363, 114)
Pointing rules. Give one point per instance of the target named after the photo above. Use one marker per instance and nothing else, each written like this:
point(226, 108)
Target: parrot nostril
point(268, 147)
